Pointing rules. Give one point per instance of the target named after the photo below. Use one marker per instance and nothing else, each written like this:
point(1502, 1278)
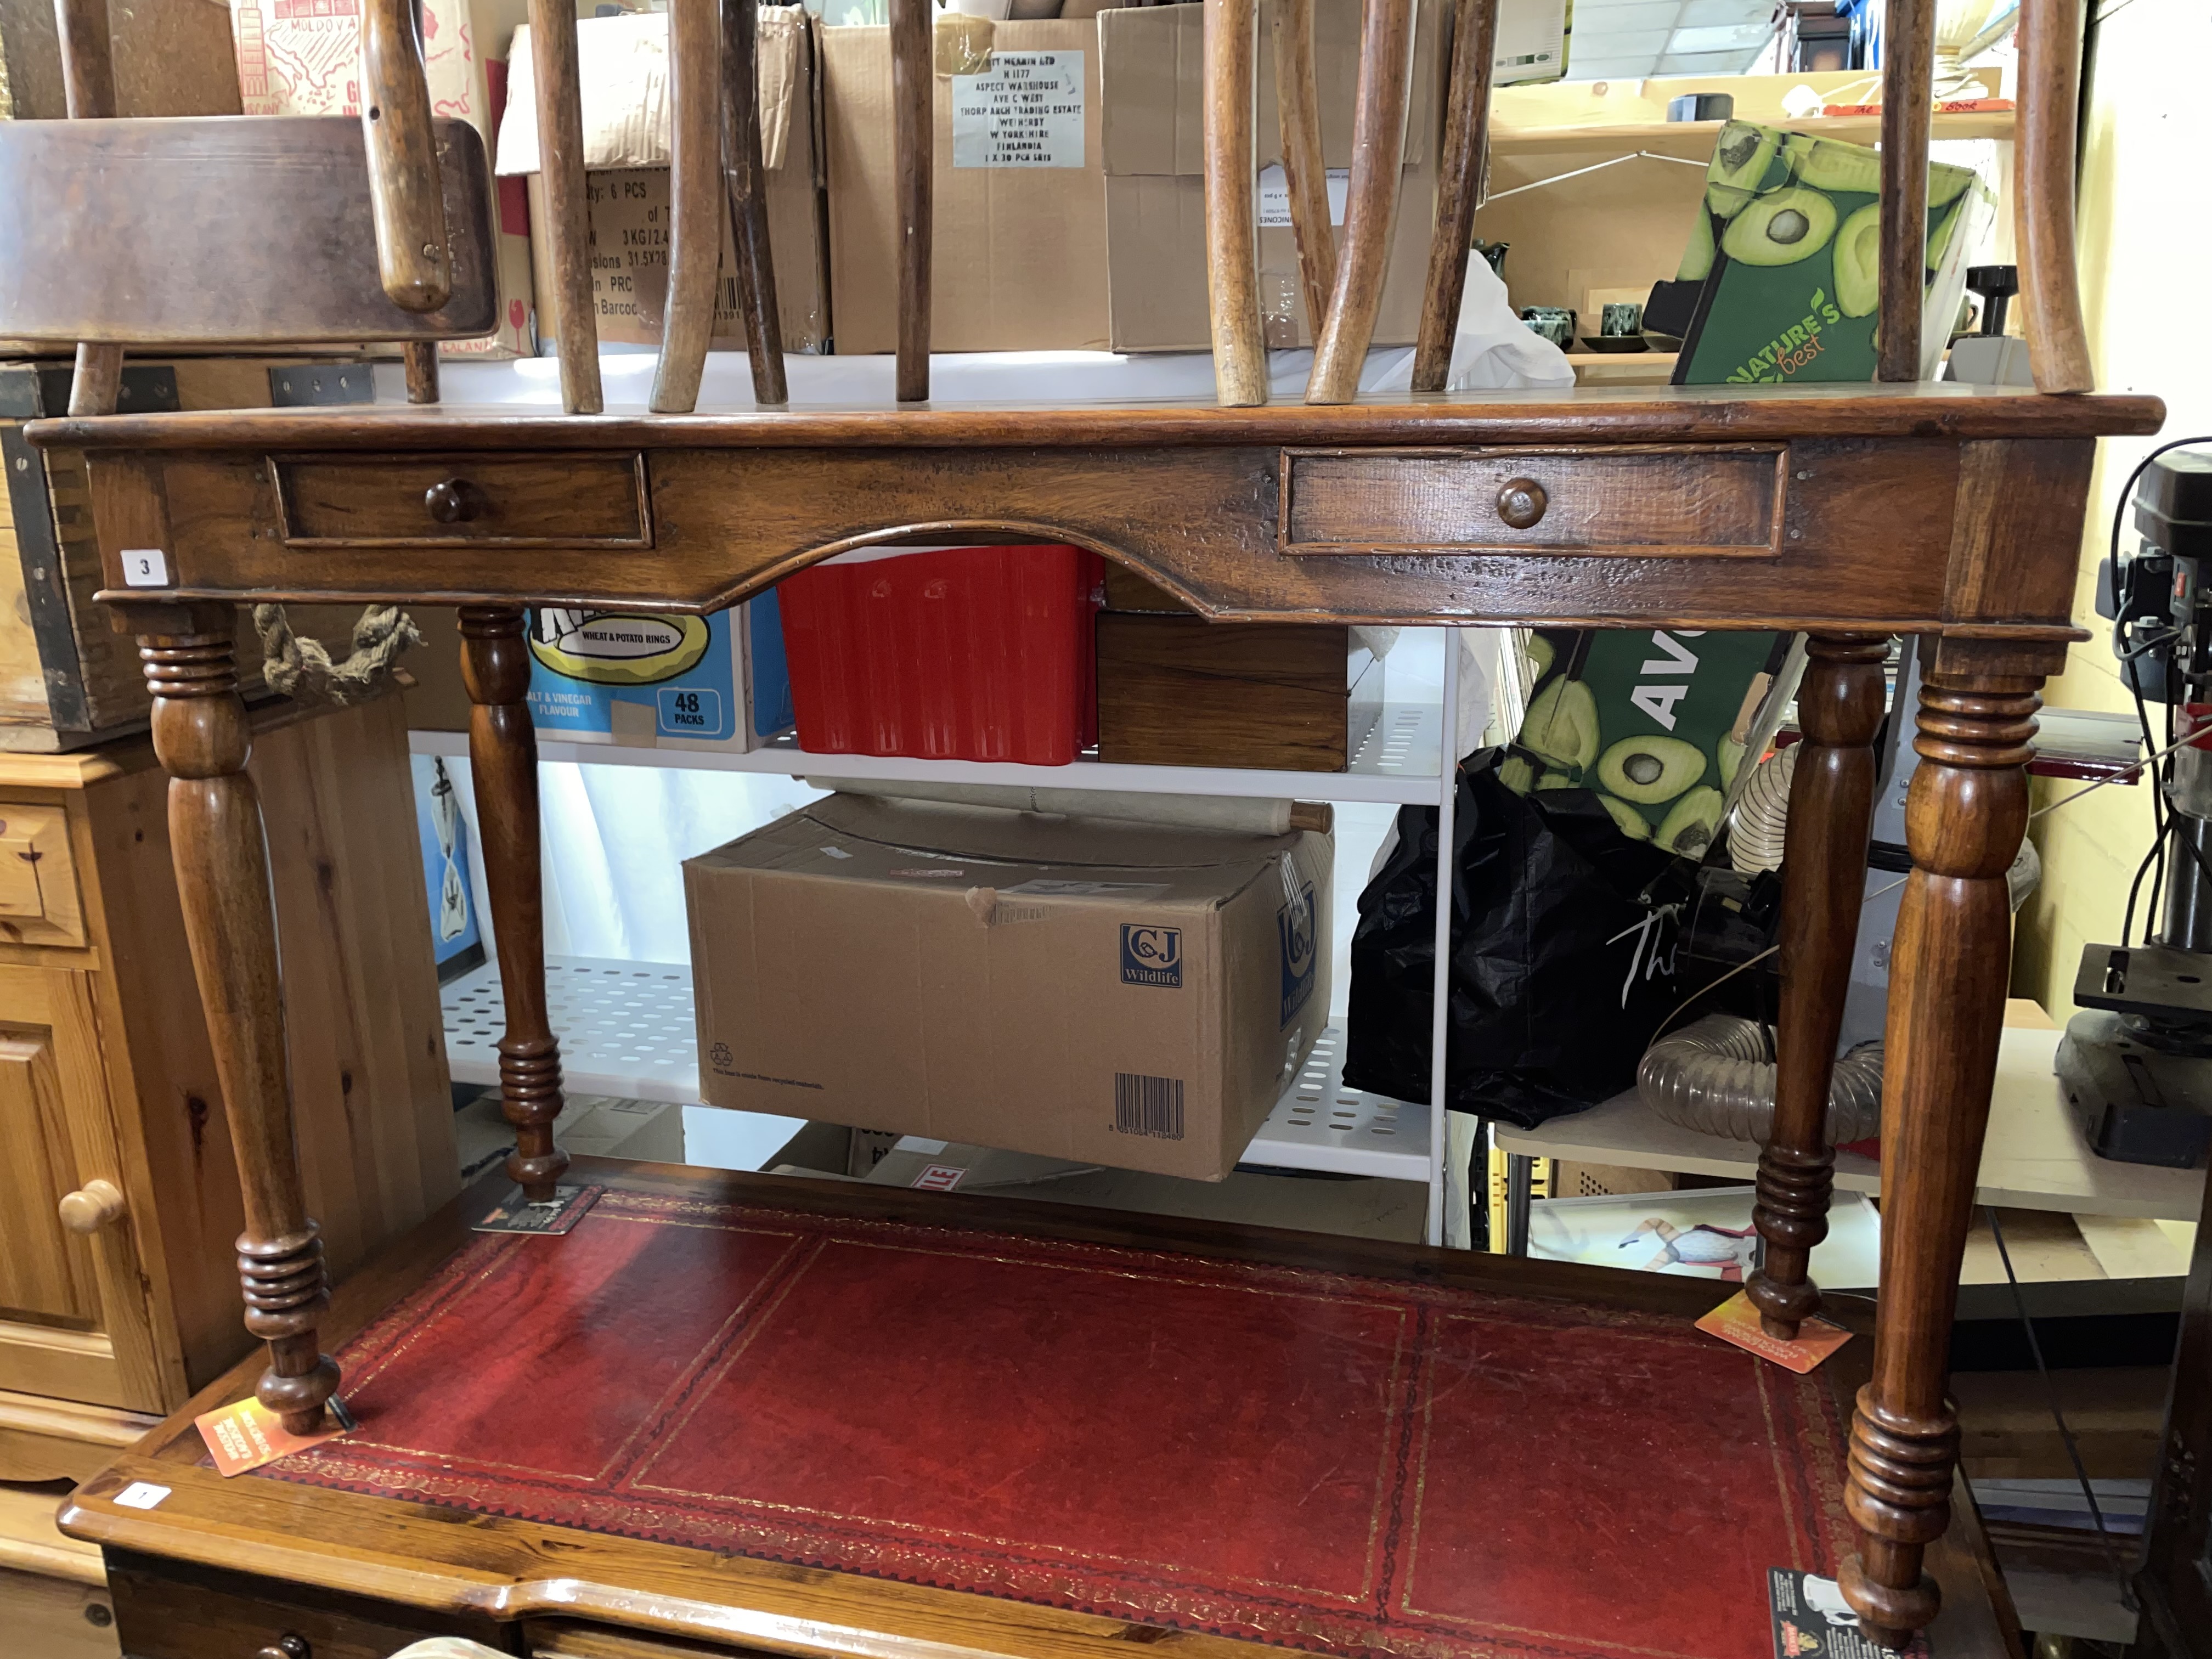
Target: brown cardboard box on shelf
point(1117, 994)
point(172, 57)
point(624, 62)
point(1017, 258)
point(296, 58)
point(1153, 150)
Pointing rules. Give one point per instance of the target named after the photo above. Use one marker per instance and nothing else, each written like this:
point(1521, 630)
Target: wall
point(2146, 245)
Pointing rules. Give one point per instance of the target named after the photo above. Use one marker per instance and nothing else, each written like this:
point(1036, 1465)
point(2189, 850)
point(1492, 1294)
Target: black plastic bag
point(1563, 952)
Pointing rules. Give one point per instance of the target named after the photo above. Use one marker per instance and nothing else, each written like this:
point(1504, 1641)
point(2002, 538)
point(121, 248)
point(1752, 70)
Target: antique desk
point(1851, 513)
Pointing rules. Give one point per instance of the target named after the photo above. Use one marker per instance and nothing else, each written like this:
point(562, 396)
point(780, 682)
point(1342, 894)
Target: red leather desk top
point(1339, 1464)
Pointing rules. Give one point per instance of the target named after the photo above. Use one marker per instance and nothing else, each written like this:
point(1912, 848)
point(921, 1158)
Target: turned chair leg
point(503, 756)
point(1964, 819)
point(1824, 864)
point(222, 857)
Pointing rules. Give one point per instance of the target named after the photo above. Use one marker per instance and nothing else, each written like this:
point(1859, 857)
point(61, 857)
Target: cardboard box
point(650, 682)
point(303, 58)
point(1018, 255)
point(1154, 156)
point(1120, 994)
point(172, 57)
point(625, 85)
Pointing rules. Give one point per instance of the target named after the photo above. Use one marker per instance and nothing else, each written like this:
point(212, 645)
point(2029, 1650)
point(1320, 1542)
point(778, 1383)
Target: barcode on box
point(1148, 1106)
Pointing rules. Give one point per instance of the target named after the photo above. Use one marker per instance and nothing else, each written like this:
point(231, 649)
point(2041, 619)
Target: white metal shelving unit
point(627, 1028)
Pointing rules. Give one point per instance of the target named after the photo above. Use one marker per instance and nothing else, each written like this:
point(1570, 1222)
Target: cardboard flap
point(1151, 74)
point(624, 64)
point(1025, 842)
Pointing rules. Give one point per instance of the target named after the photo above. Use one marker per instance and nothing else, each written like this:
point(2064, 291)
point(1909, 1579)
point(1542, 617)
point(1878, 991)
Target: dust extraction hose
point(1713, 1075)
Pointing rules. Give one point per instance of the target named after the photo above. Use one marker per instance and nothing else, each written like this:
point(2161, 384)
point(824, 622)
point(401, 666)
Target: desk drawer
point(39, 904)
point(507, 501)
point(169, 1610)
point(1693, 501)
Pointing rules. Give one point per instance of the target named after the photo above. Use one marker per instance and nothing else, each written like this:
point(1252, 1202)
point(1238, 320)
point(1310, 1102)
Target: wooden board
point(278, 204)
point(1182, 691)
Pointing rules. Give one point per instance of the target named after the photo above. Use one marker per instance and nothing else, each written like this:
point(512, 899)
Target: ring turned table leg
point(1964, 819)
point(503, 756)
point(1824, 866)
point(222, 857)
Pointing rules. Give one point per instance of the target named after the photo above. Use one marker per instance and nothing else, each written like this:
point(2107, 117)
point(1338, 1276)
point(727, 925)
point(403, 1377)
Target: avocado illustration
point(1633, 824)
point(1939, 239)
point(1515, 773)
point(1688, 827)
point(1781, 227)
point(1555, 781)
point(1561, 728)
point(1539, 658)
point(1740, 158)
point(1730, 757)
point(1697, 258)
point(1947, 185)
point(1858, 261)
point(1826, 165)
point(1649, 770)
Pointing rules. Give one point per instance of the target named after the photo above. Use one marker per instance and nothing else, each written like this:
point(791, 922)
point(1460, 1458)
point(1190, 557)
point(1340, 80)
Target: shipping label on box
point(303, 58)
point(712, 682)
point(1121, 994)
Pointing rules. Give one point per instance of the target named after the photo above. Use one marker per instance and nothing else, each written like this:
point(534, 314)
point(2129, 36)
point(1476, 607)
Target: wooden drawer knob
point(1522, 502)
point(285, 1647)
point(97, 1204)
point(455, 501)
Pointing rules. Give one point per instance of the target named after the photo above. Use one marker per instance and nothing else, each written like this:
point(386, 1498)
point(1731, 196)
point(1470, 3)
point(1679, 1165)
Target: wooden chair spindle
point(2042, 183)
point(913, 151)
point(1459, 188)
point(748, 190)
point(1378, 148)
point(568, 212)
point(88, 84)
point(695, 203)
point(405, 195)
point(1240, 349)
point(1297, 103)
point(1908, 91)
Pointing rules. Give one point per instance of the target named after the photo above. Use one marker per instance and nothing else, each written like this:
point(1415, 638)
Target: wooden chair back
point(243, 231)
point(426, 201)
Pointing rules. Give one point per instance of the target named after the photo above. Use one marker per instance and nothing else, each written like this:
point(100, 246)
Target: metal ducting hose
point(1714, 1076)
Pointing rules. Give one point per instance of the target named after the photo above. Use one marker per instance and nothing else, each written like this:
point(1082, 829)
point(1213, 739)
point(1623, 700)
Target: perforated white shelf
point(1320, 1124)
point(1396, 760)
point(626, 1028)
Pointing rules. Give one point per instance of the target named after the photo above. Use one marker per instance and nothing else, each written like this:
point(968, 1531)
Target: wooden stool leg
point(503, 755)
point(222, 857)
point(1948, 968)
point(1824, 864)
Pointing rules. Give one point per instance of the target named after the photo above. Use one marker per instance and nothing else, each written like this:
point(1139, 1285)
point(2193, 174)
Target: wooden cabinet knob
point(97, 1204)
point(456, 500)
point(1522, 502)
point(286, 1647)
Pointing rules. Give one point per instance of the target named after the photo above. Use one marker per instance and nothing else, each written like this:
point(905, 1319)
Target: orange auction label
point(1736, 1321)
point(247, 1434)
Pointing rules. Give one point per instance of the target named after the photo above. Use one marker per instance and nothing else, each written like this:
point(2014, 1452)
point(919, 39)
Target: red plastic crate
point(982, 654)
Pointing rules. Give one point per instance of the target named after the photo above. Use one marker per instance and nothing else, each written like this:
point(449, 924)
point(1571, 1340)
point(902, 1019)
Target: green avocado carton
point(1656, 723)
point(1788, 244)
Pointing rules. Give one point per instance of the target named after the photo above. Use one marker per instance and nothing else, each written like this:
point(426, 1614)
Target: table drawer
point(507, 501)
point(1692, 501)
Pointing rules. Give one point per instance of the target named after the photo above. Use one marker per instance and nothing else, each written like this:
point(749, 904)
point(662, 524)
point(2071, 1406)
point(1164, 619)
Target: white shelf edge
point(1397, 788)
point(1308, 1129)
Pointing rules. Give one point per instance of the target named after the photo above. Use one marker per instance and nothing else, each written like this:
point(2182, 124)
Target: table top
point(2034, 1157)
point(1934, 409)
